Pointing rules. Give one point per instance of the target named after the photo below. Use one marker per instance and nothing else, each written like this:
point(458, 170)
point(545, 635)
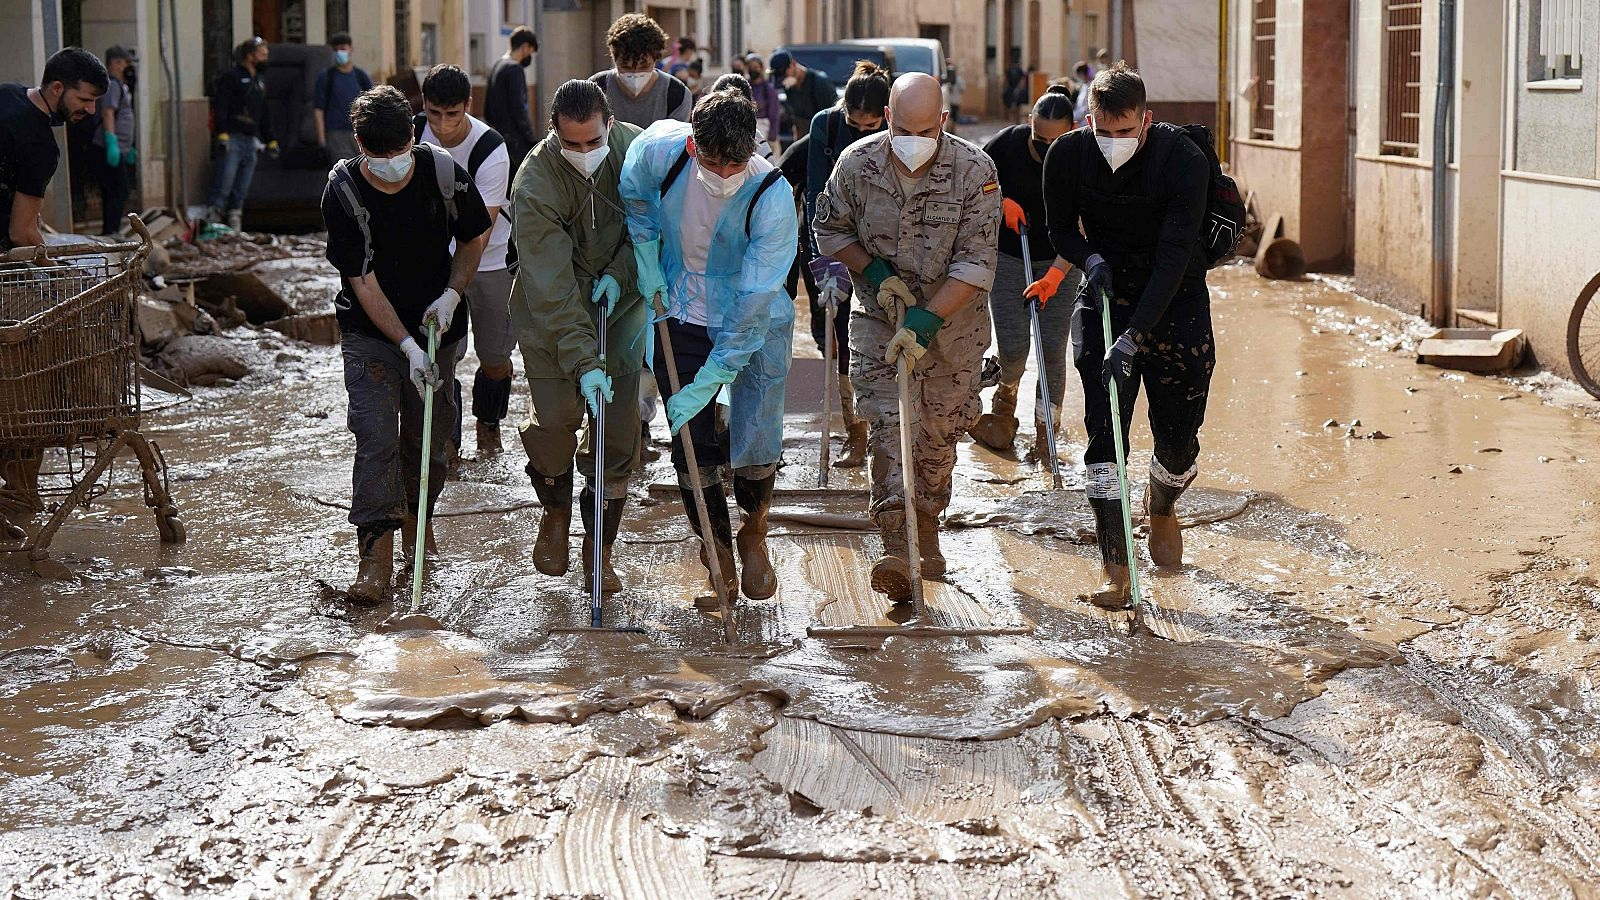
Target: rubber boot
point(647, 451)
point(609, 582)
point(1166, 538)
point(932, 558)
point(721, 530)
point(408, 538)
point(854, 453)
point(1114, 593)
point(552, 546)
point(375, 572)
point(1041, 451)
point(891, 574)
point(760, 582)
point(997, 428)
point(491, 398)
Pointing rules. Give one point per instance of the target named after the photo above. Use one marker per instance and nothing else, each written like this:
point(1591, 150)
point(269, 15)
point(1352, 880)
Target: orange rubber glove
point(1042, 290)
point(1015, 218)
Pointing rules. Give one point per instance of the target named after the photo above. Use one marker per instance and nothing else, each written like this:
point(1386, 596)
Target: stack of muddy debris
point(205, 303)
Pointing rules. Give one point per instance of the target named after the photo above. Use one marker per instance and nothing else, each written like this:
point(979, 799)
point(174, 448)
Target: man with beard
point(73, 80)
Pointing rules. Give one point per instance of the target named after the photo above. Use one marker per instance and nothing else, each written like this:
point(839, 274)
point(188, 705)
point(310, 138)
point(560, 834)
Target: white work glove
point(443, 310)
point(424, 375)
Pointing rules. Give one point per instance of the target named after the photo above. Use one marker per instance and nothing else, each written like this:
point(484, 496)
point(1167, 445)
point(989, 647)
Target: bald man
point(914, 213)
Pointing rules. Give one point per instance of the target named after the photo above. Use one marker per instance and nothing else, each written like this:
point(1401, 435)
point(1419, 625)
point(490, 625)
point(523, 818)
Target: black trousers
point(691, 346)
point(1174, 371)
point(116, 183)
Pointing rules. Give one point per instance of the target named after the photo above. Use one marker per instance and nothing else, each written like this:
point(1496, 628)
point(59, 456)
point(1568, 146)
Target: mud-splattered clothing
point(946, 228)
point(385, 415)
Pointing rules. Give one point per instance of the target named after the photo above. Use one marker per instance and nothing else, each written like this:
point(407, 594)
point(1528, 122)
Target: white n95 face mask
point(391, 170)
point(718, 186)
point(1117, 151)
point(634, 81)
point(587, 163)
point(914, 150)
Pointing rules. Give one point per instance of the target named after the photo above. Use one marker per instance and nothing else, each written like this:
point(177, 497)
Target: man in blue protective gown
point(713, 239)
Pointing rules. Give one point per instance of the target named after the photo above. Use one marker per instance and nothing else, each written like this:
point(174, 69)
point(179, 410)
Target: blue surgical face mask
point(392, 170)
point(341, 57)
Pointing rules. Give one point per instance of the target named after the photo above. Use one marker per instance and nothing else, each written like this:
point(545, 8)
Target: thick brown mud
point(1373, 676)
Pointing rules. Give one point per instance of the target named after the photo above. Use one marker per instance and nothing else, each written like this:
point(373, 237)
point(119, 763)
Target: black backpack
point(766, 181)
point(342, 179)
point(488, 142)
point(1225, 212)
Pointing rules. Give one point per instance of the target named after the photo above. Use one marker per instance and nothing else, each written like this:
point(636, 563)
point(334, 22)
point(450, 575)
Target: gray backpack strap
point(444, 169)
point(344, 188)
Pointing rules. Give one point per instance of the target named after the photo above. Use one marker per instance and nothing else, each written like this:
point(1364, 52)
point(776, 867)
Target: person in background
point(505, 102)
point(118, 157)
point(736, 66)
point(243, 129)
point(337, 87)
point(769, 109)
point(1080, 105)
point(1016, 91)
point(958, 88)
point(858, 113)
point(1018, 153)
point(480, 150)
point(684, 52)
point(807, 91)
point(694, 78)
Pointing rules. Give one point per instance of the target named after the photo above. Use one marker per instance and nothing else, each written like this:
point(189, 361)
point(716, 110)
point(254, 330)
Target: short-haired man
point(243, 129)
point(713, 237)
point(73, 81)
point(576, 266)
point(390, 228)
point(638, 92)
point(505, 101)
point(807, 91)
point(1139, 191)
point(337, 87)
point(914, 213)
point(480, 150)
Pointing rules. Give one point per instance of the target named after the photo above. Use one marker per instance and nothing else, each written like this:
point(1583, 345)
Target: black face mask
point(1040, 148)
point(526, 61)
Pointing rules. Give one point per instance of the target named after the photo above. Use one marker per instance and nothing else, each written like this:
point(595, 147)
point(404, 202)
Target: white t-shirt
point(698, 226)
point(494, 184)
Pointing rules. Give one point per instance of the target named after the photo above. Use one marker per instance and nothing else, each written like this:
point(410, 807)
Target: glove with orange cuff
point(1015, 218)
point(1042, 290)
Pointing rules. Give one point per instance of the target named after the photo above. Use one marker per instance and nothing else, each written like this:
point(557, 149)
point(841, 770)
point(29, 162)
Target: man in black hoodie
point(244, 128)
point(1140, 191)
point(505, 103)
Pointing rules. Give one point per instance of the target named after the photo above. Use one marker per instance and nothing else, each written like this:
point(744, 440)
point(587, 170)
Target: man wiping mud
point(914, 213)
point(577, 266)
point(1140, 191)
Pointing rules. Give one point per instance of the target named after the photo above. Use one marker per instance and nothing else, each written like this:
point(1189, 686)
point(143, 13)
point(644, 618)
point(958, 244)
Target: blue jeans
point(234, 171)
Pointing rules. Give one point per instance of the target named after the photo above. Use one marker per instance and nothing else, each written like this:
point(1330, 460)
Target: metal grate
point(1402, 78)
point(1561, 38)
point(1263, 68)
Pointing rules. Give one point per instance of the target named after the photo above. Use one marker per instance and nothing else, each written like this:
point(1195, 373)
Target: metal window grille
point(1561, 38)
point(1263, 67)
point(402, 34)
point(1402, 78)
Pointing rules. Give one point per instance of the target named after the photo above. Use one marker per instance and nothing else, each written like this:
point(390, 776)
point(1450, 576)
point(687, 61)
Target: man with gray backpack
point(391, 215)
point(1143, 209)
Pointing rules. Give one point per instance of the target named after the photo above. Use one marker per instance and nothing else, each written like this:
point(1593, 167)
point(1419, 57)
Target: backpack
point(487, 143)
point(1225, 212)
point(676, 90)
point(766, 181)
point(341, 178)
point(362, 79)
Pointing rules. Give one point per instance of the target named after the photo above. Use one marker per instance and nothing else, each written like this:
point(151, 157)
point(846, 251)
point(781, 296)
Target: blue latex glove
point(113, 152)
point(595, 384)
point(647, 257)
point(687, 403)
point(130, 155)
point(606, 289)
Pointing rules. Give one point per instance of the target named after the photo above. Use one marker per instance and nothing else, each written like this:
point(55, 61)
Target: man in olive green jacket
point(575, 265)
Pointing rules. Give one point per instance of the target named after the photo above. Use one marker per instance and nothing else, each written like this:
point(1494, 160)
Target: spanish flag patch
point(991, 187)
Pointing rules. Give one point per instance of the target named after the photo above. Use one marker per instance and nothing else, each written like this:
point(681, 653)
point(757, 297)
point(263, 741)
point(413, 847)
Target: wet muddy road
point(1374, 676)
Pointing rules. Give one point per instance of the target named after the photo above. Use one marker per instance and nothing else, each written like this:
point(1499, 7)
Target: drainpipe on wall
point(177, 108)
point(539, 89)
point(1224, 132)
point(1116, 30)
point(1439, 311)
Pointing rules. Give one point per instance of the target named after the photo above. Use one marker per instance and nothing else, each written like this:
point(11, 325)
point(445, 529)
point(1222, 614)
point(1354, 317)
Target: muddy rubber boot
point(721, 531)
point(375, 572)
point(1115, 592)
point(755, 498)
point(610, 583)
point(552, 546)
point(1161, 505)
point(647, 451)
point(853, 455)
point(891, 574)
point(408, 538)
point(997, 428)
point(1041, 451)
point(933, 563)
point(489, 439)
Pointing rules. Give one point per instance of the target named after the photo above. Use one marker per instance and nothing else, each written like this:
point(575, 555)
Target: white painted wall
point(1177, 42)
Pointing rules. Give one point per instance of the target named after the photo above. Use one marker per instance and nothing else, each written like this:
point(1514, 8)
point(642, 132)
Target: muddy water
point(1373, 676)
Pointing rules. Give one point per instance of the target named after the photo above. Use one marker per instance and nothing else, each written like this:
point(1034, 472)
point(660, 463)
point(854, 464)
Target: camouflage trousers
point(944, 401)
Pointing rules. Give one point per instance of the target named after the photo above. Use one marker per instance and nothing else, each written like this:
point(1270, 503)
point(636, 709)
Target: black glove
point(1097, 281)
point(1119, 362)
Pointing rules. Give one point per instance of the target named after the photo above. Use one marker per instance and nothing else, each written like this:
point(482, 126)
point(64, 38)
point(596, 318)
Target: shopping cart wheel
point(172, 530)
point(45, 567)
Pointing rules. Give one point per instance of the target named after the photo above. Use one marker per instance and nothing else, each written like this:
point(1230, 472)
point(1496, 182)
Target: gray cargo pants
point(385, 415)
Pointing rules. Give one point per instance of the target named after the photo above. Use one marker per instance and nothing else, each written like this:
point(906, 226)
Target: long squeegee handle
point(1048, 417)
point(598, 486)
point(1122, 458)
point(422, 476)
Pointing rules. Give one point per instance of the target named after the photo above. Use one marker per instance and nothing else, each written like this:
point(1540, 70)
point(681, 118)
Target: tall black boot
point(551, 547)
point(721, 528)
point(610, 523)
point(754, 496)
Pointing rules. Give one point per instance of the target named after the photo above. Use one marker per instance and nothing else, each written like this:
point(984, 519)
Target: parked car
point(924, 55)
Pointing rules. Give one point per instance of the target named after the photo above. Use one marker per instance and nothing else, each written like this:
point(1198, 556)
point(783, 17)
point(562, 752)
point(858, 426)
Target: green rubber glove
point(687, 403)
point(594, 385)
point(113, 152)
point(647, 257)
point(131, 155)
point(606, 290)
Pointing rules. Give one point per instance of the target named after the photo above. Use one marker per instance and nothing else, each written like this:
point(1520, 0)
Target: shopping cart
point(69, 389)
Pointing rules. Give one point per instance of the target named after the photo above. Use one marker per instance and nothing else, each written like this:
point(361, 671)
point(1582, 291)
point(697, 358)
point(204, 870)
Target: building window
point(336, 17)
point(402, 34)
point(1560, 50)
point(1402, 78)
point(1264, 68)
point(715, 37)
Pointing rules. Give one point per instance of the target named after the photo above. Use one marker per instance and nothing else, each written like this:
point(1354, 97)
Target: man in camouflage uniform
point(914, 213)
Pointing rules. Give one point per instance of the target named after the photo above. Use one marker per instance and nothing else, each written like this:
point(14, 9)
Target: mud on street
point(1374, 676)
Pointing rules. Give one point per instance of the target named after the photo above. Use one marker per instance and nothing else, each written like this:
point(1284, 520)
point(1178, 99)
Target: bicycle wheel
point(1583, 338)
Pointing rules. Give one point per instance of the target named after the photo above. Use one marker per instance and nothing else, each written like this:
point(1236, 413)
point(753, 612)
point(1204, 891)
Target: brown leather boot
point(552, 546)
point(997, 428)
point(375, 572)
point(755, 498)
point(933, 563)
point(891, 574)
